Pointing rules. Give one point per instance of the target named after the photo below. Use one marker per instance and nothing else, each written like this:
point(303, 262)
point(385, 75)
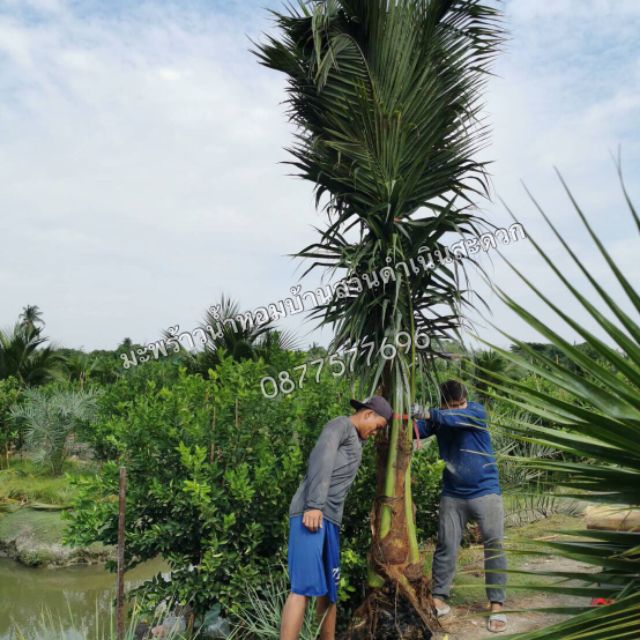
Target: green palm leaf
point(386, 102)
point(596, 421)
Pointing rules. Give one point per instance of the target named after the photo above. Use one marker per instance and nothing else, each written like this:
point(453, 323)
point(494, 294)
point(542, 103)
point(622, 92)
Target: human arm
point(425, 429)
point(320, 470)
point(459, 418)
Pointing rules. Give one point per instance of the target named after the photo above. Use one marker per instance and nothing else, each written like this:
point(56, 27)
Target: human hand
point(417, 411)
point(312, 519)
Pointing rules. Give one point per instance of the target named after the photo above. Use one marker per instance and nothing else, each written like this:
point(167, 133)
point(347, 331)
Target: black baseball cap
point(375, 403)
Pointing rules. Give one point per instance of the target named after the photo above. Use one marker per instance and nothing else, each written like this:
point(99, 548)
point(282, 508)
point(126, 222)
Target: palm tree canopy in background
point(23, 353)
point(240, 342)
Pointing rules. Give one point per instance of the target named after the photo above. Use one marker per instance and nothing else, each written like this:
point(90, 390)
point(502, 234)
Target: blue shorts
point(314, 559)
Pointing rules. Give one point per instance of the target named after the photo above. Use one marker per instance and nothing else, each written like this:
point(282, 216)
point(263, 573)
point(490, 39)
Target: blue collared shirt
point(463, 439)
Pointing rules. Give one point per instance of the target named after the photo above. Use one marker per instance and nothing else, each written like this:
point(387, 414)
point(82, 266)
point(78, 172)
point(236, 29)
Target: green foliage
point(23, 354)
point(77, 365)
point(426, 471)
point(49, 419)
point(259, 614)
point(25, 481)
point(116, 399)
point(226, 336)
point(489, 363)
point(10, 393)
point(45, 626)
point(211, 469)
point(592, 416)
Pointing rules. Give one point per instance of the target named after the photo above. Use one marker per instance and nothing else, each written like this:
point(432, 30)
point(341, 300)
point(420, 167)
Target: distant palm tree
point(49, 421)
point(240, 342)
point(248, 342)
point(30, 317)
point(23, 354)
point(78, 366)
point(487, 365)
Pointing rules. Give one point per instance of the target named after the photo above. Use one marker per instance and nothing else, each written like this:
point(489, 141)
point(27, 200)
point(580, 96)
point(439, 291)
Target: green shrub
point(211, 469)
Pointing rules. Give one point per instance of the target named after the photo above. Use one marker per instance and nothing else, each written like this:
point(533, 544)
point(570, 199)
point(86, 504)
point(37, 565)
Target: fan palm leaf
point(595, 420)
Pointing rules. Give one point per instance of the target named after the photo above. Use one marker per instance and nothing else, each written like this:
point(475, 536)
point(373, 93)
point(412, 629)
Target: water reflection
point(80, 594)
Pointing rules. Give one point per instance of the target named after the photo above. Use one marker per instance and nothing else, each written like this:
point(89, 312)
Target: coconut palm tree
point(248, 342)
point(30, 317)
point(487, 364)
point(23, 353)
point(386, 99)
point(78, 365)
point(595, 420)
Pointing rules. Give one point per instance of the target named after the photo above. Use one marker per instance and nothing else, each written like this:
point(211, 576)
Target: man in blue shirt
point(470, 491)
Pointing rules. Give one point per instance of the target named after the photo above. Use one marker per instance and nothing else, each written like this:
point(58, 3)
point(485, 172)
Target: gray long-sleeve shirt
point(332, 468)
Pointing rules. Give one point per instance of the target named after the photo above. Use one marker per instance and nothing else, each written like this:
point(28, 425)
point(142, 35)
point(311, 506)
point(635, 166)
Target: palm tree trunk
point(395, 564)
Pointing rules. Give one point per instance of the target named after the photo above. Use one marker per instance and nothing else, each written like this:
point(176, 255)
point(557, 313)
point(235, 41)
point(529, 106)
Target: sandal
point(497, 617)
point(443, 611)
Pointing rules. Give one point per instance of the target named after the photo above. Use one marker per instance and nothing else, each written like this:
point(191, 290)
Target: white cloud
point(140, 150)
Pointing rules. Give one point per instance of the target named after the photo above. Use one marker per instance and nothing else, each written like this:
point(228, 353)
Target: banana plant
point(594, 420)
point(386, 100)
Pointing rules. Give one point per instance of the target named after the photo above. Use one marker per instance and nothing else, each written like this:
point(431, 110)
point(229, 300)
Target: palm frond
point(589, 409)
point(385, 97)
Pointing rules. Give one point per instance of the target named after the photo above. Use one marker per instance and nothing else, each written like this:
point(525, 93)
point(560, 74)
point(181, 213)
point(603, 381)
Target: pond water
point(69, 594)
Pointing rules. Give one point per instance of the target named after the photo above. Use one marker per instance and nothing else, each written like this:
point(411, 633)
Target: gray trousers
point(488, 512)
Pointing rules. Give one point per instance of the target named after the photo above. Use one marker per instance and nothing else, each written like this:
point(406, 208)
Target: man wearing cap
point(315, 515)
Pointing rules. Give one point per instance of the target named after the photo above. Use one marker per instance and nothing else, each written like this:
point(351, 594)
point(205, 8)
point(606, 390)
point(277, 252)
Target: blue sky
point(140, 146)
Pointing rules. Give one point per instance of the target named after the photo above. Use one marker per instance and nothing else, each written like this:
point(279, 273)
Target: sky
point(142, 149)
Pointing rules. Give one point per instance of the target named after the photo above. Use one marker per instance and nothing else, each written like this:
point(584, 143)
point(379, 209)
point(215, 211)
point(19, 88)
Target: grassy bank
point(26, 482)
point(31, 526)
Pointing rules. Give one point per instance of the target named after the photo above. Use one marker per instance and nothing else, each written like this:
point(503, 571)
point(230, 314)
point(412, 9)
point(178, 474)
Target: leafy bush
point(211, 469)
point(10, 393)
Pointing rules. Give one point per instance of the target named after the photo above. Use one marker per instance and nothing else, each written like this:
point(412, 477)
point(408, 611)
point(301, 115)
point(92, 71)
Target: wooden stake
point(120, 572)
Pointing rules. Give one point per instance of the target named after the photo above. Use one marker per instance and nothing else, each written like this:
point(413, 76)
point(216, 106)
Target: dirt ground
point(464, 623)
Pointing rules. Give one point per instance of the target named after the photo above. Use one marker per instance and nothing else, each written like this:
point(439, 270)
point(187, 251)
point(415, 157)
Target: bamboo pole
point(120, 572)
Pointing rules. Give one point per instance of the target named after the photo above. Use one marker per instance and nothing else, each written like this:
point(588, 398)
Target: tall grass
point(26, 481)
point(45, 627)
point(259, 616)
